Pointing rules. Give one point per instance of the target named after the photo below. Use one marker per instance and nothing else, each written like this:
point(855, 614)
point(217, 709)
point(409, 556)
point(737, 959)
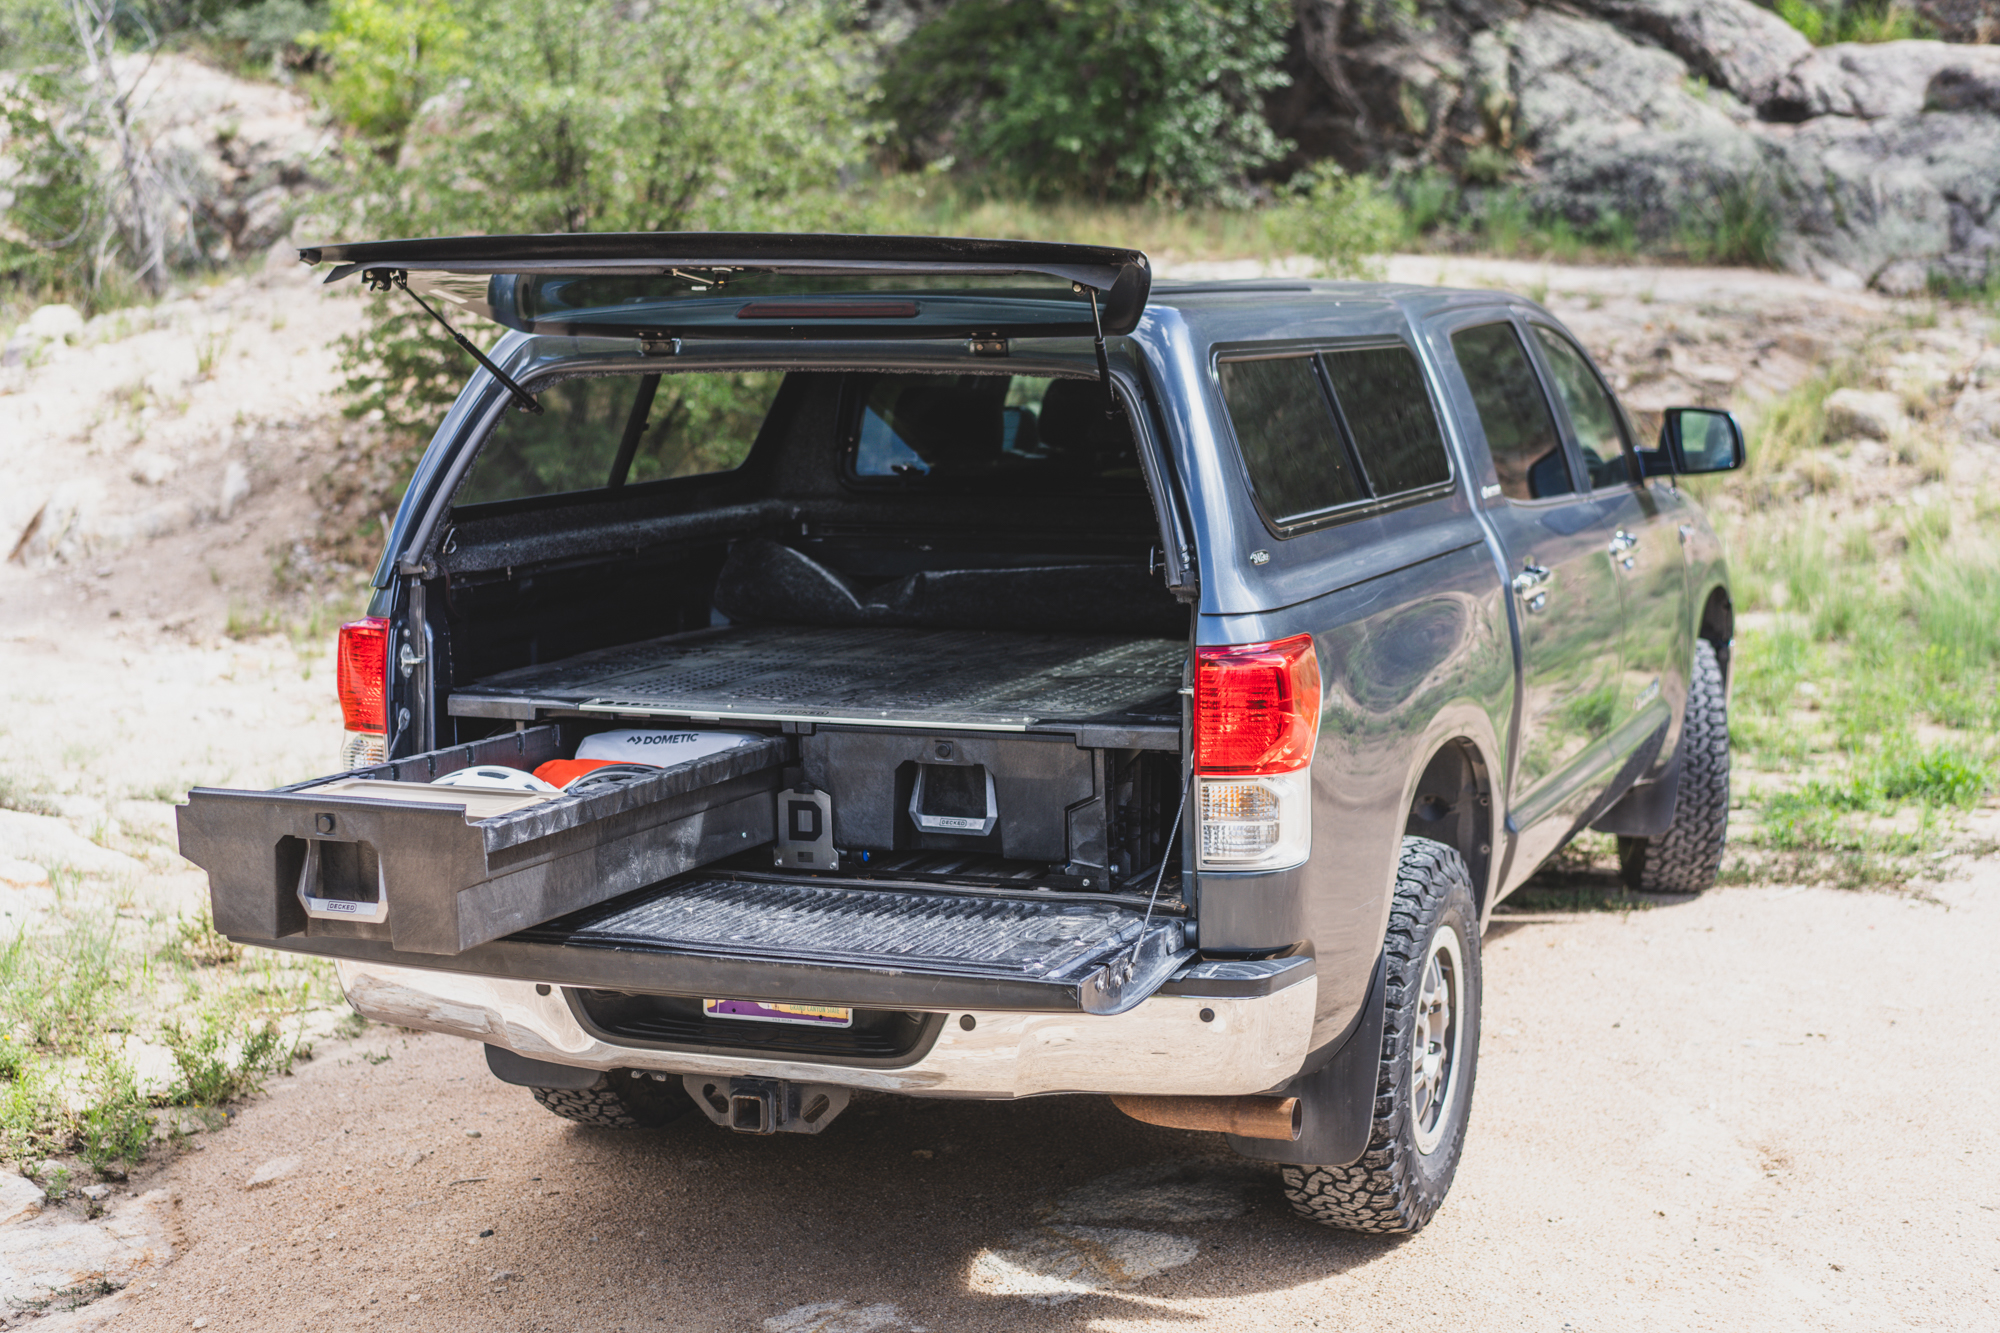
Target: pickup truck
point(963, 668)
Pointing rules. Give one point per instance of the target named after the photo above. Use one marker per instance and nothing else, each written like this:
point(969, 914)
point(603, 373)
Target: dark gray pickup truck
point(965, 668)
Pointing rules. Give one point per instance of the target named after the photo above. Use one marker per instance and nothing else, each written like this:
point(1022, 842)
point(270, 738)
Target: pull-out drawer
point(380, 855)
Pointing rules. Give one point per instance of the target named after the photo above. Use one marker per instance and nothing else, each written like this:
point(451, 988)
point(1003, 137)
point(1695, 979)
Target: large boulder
point(1864, 164)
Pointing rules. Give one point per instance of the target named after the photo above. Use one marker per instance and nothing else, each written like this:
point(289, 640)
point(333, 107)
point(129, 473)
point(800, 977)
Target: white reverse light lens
point(363, 749)
point(1262, 823)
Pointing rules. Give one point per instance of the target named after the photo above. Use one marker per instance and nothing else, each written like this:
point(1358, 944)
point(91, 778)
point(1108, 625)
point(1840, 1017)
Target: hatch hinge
point(986, 344)
point(382, 279)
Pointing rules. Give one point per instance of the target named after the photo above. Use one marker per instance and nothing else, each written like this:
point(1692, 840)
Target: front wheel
point(1687, 856)
point(1430, 1052)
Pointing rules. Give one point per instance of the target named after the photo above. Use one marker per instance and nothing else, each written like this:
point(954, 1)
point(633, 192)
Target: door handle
point(1528, 584)
point(1531, 577)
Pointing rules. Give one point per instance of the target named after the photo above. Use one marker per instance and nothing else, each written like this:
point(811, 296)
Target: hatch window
point(606, 432)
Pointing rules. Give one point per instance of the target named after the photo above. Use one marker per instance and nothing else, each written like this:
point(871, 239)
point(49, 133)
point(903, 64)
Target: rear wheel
point(619, 1101)
point(1430, 1052)
point(1686, 857)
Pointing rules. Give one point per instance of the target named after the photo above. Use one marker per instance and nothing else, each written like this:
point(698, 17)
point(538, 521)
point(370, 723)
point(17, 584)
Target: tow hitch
point(765, 1105)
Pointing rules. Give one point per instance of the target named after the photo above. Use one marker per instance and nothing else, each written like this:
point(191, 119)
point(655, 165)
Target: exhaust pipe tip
point(1279, 1118)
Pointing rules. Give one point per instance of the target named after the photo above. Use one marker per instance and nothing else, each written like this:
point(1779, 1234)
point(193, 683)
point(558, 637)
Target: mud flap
point(1336, 1100)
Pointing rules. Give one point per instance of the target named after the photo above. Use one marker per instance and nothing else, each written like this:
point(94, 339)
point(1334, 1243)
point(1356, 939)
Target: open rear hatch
point(662, 285)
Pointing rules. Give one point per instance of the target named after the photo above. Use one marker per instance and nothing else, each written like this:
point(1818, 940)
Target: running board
point(801, 940)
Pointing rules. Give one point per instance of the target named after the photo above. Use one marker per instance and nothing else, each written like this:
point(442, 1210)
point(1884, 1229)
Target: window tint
point(1291, 447)
point(1590, 408)
point(1520, 431)
point(937, 430)
point(1381, 395)
point(608, 431)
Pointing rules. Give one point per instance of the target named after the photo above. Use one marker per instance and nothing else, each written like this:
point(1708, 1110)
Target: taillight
point(1256, 721)
point(362, 674)
point(1256, 707)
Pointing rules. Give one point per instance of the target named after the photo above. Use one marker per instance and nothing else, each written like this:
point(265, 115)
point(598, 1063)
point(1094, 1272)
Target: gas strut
point(381, 280)
point(1103, 363)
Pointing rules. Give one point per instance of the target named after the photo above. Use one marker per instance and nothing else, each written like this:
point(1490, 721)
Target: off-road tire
point(1395, 1188)
point(619, 1101)
point(1686, 857)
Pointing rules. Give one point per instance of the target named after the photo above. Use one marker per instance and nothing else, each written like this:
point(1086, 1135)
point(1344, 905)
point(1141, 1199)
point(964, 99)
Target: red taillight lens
point(362, 674)
point(1256, 707)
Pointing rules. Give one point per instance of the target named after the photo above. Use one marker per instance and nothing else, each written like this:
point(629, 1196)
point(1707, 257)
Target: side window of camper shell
point(1325, 431)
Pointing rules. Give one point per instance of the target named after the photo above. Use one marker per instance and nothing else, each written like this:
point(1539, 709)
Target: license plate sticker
point(812, 1015)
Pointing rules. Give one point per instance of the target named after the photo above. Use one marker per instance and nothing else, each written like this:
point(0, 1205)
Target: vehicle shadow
point(959, 1214)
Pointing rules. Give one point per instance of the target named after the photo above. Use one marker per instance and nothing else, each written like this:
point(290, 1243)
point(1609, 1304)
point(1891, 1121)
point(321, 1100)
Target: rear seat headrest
point(1074, 424)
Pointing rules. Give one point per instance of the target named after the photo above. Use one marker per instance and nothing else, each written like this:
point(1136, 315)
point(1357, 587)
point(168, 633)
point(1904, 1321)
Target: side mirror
point(1694, 440)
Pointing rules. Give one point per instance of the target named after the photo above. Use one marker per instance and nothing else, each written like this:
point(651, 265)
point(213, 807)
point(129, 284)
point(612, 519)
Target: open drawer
point(380, 855)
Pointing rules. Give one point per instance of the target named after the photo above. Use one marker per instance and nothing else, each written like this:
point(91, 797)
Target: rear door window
point(1592, 414)
point(1520, 428)
point(606, 432)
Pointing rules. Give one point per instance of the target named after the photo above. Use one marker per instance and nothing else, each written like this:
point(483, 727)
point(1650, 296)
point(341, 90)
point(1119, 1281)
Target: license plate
point(812, 1015)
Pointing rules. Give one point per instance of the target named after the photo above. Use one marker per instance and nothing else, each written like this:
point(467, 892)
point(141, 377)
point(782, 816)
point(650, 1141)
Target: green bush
point(1824, 22)
point(1110, 99)
point(1344, 222)
point(581, 115)
point(1735, 223)
point(222, 1058)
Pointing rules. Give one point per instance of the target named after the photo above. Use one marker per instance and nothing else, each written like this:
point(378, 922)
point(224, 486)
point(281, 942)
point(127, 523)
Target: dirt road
point(1765, 1109)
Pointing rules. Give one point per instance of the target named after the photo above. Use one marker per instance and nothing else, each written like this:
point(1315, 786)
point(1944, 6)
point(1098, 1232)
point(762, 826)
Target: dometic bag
point(388, 854)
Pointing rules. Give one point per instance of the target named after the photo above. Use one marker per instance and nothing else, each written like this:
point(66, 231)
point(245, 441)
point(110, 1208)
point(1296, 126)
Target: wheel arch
point(1718, 624)
point(1452, 802)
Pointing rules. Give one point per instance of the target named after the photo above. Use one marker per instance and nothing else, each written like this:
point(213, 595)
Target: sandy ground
point(1764, 1109)
point(1768, 1108)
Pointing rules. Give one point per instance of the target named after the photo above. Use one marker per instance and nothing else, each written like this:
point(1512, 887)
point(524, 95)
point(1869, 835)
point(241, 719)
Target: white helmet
point(494, 777)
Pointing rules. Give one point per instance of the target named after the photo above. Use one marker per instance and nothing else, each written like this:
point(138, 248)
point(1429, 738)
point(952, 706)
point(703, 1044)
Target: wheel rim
point(1435, 1042)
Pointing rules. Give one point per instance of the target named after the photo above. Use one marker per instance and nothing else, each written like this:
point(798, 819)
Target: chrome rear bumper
point(1162, 1047)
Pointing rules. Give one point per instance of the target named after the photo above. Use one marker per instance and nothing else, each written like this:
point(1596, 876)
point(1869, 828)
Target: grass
point(1877, 672)
point(82, 996)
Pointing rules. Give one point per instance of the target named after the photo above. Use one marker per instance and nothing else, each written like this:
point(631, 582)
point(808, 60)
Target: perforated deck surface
point(961, 678)
point(935, 933)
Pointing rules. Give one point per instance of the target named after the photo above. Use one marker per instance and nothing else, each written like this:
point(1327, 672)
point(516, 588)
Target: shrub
point(1344, 222)
point(1112, 99)
point(582, 115)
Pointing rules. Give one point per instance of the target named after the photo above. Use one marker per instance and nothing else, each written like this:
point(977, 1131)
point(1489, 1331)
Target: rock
point(18, 874)
point(1861, 414)
point(271, 1173)
point(1977, 414)
point(1055, 1264)
point(1704, 122)
point(235, 488)
point(45, 840)
point(1733, 44)
point(53, 323)
point(150, 468)
point(20, 1198)
point(96, 1193)
point(54, 1251)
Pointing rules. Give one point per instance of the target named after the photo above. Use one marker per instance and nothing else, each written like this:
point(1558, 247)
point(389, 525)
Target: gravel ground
point(1766, 1108)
